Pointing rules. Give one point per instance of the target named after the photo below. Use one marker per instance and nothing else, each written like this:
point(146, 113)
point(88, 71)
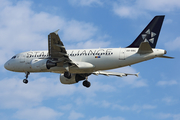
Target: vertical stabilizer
point(150, 34)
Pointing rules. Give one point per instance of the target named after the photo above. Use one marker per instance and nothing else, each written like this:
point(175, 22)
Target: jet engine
point(73, 79)
point(42, 64)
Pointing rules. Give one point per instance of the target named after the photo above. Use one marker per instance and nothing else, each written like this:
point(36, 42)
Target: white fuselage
point(89, 60)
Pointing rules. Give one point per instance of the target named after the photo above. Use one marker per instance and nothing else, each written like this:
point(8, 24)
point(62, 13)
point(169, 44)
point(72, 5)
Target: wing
point(57, 51)
point(55, 46)
point(166, 57)
point(113, 73)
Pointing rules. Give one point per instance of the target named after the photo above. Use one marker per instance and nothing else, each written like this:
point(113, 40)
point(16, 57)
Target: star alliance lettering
point(91, 52)
point(73, 53)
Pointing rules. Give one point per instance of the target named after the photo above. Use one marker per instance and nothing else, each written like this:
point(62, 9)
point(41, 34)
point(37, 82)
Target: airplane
point(76, 65)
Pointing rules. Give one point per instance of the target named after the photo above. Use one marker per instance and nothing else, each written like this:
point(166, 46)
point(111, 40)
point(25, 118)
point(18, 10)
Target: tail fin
point(150, 33)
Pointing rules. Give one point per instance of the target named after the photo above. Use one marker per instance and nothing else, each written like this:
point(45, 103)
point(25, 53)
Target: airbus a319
point(77, 65)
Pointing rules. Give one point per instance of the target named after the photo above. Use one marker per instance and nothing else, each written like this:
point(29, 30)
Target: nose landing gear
point(25, 80)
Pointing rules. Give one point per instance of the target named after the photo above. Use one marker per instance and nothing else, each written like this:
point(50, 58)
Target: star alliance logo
point(147, 34)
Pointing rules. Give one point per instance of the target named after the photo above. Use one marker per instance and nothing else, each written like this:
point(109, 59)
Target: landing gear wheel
point(86, 84)
point(25, 81)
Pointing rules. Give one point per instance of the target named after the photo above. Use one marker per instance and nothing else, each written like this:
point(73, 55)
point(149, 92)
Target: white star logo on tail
point(147, 33)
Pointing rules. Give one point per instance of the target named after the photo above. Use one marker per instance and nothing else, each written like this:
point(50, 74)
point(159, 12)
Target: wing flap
point(106, 73)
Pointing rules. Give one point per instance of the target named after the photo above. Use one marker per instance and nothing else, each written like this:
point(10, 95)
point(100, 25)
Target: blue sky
point(25, 25)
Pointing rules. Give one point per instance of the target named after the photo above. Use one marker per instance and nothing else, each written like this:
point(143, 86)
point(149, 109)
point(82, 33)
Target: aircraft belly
point(136, 58)
point(72, 70)
point(106, 63)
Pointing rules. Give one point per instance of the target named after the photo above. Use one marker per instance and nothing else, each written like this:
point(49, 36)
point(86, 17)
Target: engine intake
point(50, 64)
point(42, 64)
point(75, 78)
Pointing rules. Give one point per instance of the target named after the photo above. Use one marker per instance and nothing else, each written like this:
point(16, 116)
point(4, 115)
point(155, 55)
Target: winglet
point(137, 74)
point(56, 32)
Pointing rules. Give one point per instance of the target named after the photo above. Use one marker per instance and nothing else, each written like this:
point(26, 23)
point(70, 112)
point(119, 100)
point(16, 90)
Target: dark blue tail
point(150, 33)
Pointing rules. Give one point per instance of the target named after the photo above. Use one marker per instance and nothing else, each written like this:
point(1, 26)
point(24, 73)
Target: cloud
point(163, 115)
point(126, 11)
point(160, 5)
point(173, 45)
point(22, 26)
point(168, 21)
point(131, 80)
point(169, 100)
point(168, 115)
point(74, 115)
point(66, 107)
point(95, 87)
point(27, 30)
point(136, 108)
point(90, 44)
point(167, 83)
point(78, 31)
point(134, 9)
point(176, 116)
point(86, 2)
point(15, 94)
point(40, 113)
point(108, 118)
point(105, 104)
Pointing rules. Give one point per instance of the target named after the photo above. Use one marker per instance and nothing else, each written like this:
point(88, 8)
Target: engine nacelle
point(42, 64)
point(74, 79)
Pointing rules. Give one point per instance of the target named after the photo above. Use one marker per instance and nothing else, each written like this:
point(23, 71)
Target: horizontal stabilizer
point(145, 48)
point(113, 73)
point(166, 57)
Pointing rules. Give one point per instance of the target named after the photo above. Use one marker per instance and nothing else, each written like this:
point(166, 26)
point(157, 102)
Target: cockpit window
point(13, 57)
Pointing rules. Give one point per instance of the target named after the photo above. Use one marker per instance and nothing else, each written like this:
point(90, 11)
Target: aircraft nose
point(6, 65)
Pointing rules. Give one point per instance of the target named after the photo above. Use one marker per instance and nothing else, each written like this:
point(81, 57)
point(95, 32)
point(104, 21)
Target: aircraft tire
point(86, 83)
point(25, 81)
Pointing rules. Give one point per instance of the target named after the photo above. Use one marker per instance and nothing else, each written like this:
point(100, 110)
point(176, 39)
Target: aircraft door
point(122, 54)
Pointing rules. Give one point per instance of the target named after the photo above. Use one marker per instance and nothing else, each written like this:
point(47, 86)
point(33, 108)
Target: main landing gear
point(86, 83)
point(25, 80)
